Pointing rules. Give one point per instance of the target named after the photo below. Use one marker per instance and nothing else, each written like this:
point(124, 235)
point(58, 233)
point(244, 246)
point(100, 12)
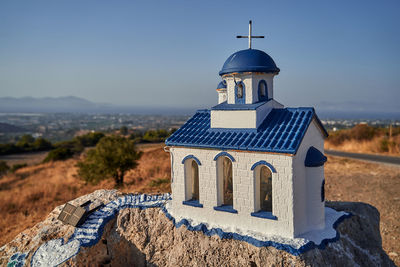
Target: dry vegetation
point(363, 138)
point(27, 196)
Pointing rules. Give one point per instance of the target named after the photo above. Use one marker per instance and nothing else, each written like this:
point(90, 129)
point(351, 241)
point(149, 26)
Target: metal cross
point(249, 36)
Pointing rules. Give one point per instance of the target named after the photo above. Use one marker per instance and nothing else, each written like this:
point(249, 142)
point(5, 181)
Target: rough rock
point(146, 237)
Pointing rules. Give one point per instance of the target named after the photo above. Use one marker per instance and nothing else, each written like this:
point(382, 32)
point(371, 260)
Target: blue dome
point(252, 60)
point(222, 85)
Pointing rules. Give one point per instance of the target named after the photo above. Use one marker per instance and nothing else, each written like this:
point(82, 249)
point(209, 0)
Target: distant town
point(64, 126)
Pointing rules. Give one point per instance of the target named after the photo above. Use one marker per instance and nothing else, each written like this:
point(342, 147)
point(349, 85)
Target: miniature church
point(250, 163)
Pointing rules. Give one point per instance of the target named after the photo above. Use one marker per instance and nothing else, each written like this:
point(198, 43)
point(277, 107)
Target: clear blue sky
point(168, 53)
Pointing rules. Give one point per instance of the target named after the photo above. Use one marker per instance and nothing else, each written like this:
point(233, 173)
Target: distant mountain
point(9, 128)
point(47, 104)
point(74, 104)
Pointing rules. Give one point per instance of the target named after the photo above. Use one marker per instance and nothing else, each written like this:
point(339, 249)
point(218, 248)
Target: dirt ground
point(29, 195)
point(375, 184)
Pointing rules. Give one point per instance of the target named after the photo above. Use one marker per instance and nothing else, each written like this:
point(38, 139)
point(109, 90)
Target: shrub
point(112, 157)
point(4, 168)
point(123, 130)
point(363, 132)
point(60, 153)
point(89, 139)
point(18, 166)
point(41, 144)
point(384, 145)
point(25, 141)
point(71, 145)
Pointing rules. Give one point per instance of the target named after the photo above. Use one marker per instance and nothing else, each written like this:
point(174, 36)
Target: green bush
point(123, 130)
point(25, 141)
point(18, 166)
point(89, 139)
point(4, 168)
point(42, 144)
point(60, 153)
point(363, 132)
point(384, 145)
point(112, 157)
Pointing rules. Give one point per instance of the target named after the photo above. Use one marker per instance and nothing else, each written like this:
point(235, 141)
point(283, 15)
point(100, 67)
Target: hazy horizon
point(342, 54)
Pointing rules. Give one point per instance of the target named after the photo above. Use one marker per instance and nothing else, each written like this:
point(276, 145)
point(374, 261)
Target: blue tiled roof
point(281, 131)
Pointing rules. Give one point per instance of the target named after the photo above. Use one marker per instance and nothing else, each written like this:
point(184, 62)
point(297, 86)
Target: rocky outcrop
point(146, 237)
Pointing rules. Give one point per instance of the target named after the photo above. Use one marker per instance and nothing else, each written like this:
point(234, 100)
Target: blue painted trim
point(314, 158)
point(262, 98)
point(136, 201)
point(226, 154)
point(263, 162)
point(191, 157)
point(256, 242)
point(225, 208)
point(241, 100)
point(97, 221)
point(264, 215)
point(226, 106)
point(240, 130)
point(222, 85)
point(193, 203)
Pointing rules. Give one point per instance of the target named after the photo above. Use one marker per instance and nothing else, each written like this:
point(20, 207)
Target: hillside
point(363, 138)
point(42, 187)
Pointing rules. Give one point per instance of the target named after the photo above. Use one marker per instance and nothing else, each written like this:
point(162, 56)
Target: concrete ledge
point(226, 208)
point(264, 215)
point(193, 203)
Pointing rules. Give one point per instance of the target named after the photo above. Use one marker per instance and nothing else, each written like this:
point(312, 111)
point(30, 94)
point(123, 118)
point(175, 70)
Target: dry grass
point(27, 196)
point(373, 146)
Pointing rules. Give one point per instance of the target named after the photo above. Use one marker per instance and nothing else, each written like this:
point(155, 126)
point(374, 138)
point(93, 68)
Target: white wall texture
point(309, 211)
point(250, 81)
point(243, 191)
point(222, 96)
point(242, 118)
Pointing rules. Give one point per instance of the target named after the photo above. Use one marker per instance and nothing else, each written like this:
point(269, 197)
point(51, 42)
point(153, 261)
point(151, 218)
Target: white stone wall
point(242, 118)
point(233, 119)
point(222, 96)
point(268, 78)
point(250, 81)
point(243, 191)
point(308, 208)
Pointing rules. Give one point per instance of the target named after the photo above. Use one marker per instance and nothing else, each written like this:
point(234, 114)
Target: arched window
point(227, 181)
point(263, 196)
point(195, 180)
point(224, 182)
point(192, 193)
point(262, 91)
point(240, 93)
point(265, 177)
point(323, 191)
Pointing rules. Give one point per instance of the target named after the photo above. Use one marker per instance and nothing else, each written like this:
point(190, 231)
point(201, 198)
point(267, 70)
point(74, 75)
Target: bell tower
point(245, 96)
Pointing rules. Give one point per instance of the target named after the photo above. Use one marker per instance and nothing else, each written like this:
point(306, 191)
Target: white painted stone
point(247, 119)
point(251, 81)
